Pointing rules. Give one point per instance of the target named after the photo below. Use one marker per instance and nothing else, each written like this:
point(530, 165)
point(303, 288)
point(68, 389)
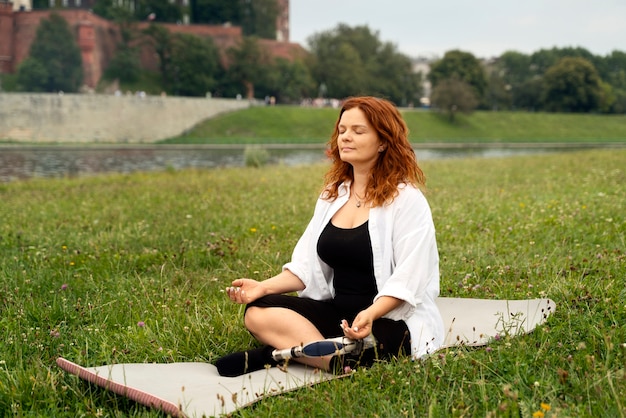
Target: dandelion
point(253, 230)
point(546, 407)
point(538, 414)
point(141, 324)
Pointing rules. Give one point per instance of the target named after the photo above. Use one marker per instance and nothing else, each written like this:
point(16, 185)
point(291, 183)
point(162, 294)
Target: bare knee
point(253, 318)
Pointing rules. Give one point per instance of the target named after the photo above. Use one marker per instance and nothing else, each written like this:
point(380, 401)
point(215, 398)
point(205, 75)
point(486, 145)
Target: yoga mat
point(196, 389)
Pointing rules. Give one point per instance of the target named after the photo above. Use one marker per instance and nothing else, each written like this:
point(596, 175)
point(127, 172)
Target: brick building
point(98, 37)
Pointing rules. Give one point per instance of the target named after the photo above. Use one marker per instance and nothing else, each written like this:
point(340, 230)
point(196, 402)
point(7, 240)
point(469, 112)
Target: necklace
point(358, 199)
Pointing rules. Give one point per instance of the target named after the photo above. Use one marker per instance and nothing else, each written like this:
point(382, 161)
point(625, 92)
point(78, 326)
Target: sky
point(486, 28)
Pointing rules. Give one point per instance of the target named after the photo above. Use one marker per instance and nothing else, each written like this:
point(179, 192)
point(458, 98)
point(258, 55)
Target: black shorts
point(393, 336)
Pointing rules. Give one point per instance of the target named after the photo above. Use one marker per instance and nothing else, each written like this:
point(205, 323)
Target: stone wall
point(90, 118)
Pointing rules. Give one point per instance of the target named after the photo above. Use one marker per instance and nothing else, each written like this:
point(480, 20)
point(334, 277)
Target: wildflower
point(141, 324)
point(488, 349)
point(538, 414)
point(253, 230)
point(55, 334)
point(497, 337)
point(546, 407)
point(64, 286)
point(347, 369)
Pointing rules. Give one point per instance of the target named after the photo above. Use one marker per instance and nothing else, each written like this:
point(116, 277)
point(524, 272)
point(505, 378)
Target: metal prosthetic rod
point(327, 347)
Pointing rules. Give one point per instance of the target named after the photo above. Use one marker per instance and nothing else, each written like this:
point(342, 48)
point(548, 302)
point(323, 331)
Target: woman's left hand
point(361, 326)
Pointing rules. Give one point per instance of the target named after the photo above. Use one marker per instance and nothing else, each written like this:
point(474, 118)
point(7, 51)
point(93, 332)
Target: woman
point(367, 262)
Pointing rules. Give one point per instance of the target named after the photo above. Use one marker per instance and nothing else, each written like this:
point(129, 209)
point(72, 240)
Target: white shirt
point(406, 262)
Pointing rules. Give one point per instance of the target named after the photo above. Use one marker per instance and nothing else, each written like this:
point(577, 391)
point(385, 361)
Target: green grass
point(297, 125)
point(83, 261)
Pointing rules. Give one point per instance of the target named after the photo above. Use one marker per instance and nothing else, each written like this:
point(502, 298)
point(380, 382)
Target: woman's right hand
point(245, 291)
point(248, 290)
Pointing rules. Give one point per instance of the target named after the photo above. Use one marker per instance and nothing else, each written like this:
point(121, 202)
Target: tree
point(289, 82)
point(615, 75)
point(460, 65)
point(32, 76)
point(524, 74)
point(189, 65)
point(528, 94)
point(352, 60)
point(572, 85)
point(55, 49)
point(125, 64)
point(453, 95)
point(391, 76)
point(514, 68)
point(546, 58)
point(615, 70)
point(337, 65)
point(161, 40)
point(247, 67)
point(194, 65)
point(498, 93)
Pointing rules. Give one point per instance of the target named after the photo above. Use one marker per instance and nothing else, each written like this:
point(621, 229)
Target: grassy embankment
point(130, 268)
point(297, 125)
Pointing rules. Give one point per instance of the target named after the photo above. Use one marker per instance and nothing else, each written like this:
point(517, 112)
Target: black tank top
point(349, 253)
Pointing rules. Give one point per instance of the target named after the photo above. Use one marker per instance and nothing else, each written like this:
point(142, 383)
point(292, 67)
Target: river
point(19, 162)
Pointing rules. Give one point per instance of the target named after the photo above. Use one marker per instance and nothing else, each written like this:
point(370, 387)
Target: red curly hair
point(396, 165)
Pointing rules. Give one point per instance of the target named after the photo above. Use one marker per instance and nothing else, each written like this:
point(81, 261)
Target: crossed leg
point(284, 328)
